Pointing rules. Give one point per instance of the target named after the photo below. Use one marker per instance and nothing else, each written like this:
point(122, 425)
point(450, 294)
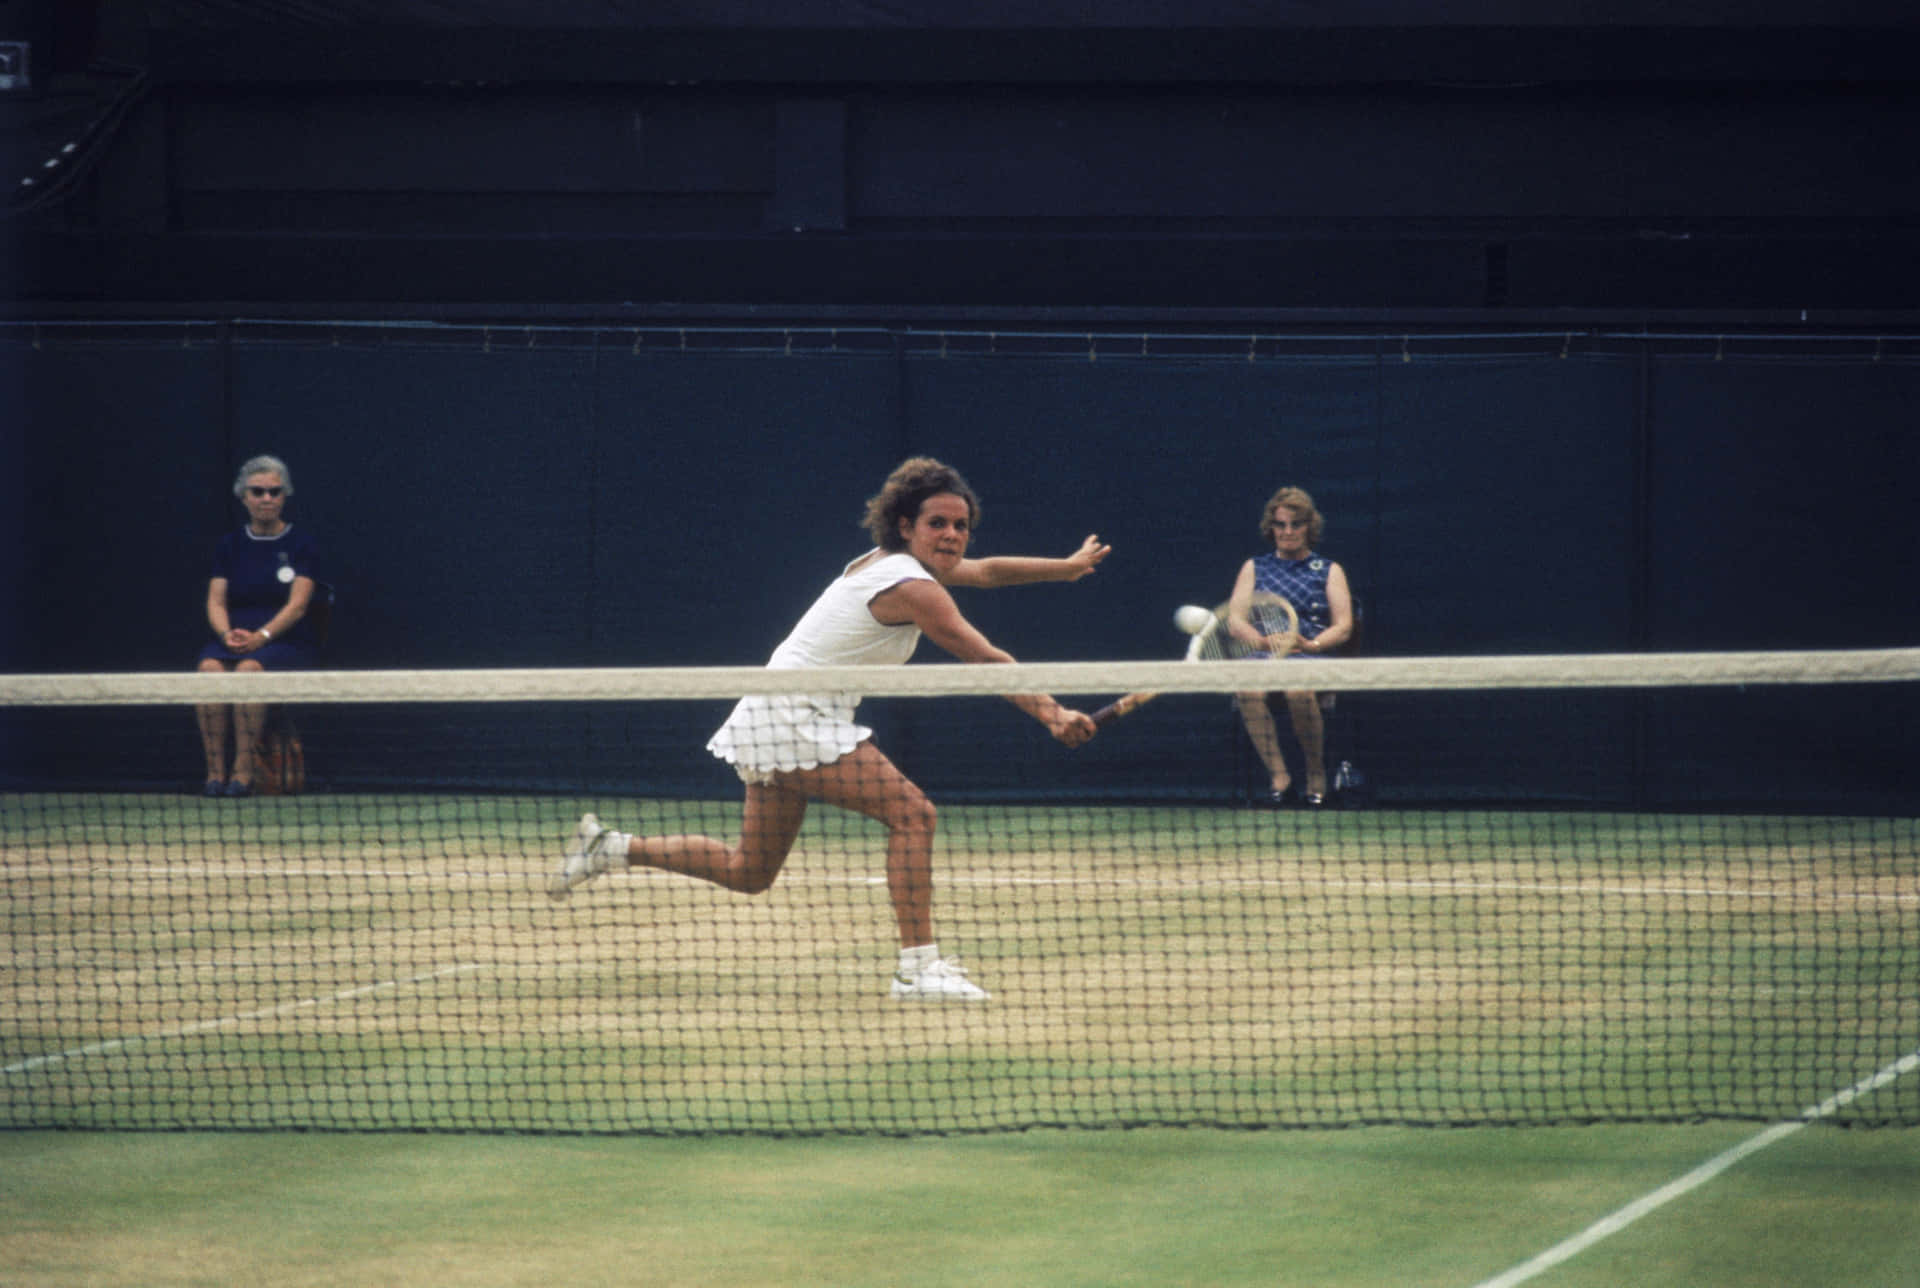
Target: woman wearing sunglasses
point(263, 581)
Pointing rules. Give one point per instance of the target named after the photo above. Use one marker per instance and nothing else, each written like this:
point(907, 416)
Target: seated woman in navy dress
point(1317, 588)
point(263, 581)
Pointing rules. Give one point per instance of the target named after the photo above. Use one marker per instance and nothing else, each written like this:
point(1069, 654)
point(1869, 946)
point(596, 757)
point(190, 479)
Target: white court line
point(1793, 894)
point(1699, 1176)
point(1290, 881)
point(205, 1026)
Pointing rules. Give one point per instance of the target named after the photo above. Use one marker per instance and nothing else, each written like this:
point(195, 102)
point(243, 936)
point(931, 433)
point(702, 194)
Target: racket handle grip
point(1120, 707)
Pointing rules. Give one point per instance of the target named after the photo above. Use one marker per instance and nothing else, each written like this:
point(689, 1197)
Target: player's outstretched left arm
point(1024, 570)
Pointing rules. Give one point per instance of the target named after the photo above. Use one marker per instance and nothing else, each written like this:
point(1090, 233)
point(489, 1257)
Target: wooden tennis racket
point(1270, 615)
point(1273, 618)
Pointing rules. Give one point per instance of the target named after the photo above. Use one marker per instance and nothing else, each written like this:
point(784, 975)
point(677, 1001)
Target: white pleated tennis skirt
point(768, 734)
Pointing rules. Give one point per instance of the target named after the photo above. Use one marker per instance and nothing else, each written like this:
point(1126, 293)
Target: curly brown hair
point(905, 491)
point(1292, 498)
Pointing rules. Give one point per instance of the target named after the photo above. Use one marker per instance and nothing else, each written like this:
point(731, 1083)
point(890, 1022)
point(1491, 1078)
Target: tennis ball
point(1191, 618)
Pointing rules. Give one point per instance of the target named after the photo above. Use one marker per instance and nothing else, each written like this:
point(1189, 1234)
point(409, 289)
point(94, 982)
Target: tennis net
point(1551, 890)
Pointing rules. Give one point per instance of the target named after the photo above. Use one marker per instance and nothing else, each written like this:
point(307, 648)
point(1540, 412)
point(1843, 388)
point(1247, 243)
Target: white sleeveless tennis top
point(788, 731)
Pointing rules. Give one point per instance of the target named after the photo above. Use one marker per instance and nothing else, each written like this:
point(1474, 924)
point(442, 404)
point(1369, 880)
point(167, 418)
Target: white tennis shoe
point(938, 981)
point(585, 859)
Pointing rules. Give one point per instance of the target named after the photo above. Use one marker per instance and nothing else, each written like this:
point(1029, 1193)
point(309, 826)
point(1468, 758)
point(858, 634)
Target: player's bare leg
point(863, 781)
point(1266, 739)
point(767, 830)
point(770, 824)
point(866, 782)
point(1310, 726)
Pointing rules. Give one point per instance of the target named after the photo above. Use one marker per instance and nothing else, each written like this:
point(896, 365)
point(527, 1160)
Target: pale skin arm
point(245, 641)
point(928, 605)
point(1241, 628)
point(1339, 607)
point(217, 608)
point(1024, 570)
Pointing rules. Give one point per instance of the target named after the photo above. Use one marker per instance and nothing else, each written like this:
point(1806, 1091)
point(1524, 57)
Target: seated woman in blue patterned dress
point(1317, 588)
point(263, 581)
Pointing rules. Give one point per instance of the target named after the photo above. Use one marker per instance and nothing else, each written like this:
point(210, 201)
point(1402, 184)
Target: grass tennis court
point(391, 962)
point(1382, 1207)
point(657, 1082)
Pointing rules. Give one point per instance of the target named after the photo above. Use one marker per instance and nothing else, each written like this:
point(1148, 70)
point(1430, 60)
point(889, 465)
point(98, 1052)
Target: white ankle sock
point(613, 851)
point(914, 960)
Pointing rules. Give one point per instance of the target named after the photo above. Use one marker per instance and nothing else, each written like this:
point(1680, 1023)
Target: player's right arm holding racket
point(928, 605)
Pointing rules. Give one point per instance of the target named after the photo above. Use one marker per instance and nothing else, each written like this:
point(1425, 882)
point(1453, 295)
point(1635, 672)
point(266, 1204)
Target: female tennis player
point(792, 749)
point(1317, 588)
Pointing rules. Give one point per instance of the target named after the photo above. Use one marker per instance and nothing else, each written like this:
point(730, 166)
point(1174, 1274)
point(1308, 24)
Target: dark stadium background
point(1591, 329)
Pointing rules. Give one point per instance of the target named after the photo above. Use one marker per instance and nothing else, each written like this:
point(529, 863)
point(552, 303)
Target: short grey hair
point(263, 465)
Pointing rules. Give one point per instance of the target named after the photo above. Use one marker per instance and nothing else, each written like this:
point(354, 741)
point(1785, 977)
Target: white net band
point(617, 684)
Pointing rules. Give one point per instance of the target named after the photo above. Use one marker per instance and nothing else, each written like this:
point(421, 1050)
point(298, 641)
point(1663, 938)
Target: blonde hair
point(1296, 499)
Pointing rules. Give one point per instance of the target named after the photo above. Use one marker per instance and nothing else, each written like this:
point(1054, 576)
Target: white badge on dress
point(285, 574)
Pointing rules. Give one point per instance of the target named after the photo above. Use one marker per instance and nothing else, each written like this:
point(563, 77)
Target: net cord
point(623, 684)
